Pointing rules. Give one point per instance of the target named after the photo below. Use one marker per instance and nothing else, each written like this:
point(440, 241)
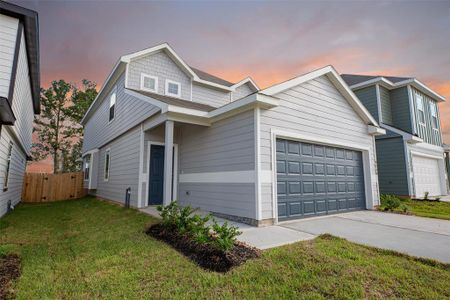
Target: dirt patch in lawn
point(9, 271)
point(206, 256)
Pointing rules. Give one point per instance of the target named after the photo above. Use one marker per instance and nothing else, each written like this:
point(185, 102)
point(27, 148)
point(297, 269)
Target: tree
point(58, 127)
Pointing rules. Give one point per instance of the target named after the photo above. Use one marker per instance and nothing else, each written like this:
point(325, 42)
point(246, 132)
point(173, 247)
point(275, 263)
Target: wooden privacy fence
point(52, 187)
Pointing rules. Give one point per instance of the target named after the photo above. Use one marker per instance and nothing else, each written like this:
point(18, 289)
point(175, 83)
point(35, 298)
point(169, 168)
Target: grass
point(91, 249)
point(425, 208)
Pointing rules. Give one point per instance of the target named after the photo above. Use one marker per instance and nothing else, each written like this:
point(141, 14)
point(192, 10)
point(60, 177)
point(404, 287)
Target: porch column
point(168, 163)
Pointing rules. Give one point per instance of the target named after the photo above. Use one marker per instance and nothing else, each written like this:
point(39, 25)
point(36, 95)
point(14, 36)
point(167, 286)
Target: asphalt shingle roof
point(208, 77)
point(351, 79)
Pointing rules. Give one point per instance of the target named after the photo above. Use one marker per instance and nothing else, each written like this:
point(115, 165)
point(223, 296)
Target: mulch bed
point(9, 271)
point(206, 256)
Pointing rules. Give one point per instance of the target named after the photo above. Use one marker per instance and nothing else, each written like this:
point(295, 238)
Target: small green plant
point(425, 197)
point(404, 208)
point(390, 202)
point(200, 230)
point(438, 199)
point(225, 235)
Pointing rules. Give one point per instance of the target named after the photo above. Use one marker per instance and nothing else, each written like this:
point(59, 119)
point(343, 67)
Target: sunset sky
point(269, 41)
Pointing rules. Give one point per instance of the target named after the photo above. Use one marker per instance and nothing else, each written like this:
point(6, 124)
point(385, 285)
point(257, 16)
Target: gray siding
point(124, 168)
point(392, 166)
point(242, 91)
point(209, 96)
point(386, 109)
point(162, 66)
point(8, 36)
point(316, 109)
point(129, 112)
point(368, 97)
point(426, 131)
point(17, 169)
point(228, 145)
point(22, 104)
point(401, 115)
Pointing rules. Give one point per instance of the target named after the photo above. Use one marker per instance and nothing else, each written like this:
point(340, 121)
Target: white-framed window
point(149, 83)
point(173, 88)
point(112, 105)
point(87, 166)
point(8, 166)
point(420, 108)
point(107, 164)
point(434, 118)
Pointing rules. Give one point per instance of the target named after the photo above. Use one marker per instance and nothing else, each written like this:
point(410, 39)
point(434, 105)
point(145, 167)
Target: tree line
point(58, 127)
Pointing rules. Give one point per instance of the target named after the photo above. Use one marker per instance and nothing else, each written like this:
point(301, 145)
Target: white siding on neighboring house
point(22, 104)
point(226, 150)
point(209, 96)
point(16, 170)
point(242, 91)
point(315, 108)
point(8, 35)
point(129, 111)
point(163, 67)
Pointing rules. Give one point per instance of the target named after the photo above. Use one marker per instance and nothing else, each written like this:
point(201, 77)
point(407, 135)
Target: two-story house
point(19, 97)
point(411, 155)
point(161, 130)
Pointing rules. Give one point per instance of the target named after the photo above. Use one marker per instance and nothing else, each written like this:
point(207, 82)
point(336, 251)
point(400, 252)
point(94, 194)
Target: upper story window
point(173, 88)
point(112, 106)
point(107, 164)
point(434, 118)
point(8, 166)
point(149, 83)
point(420, 109)
point(87, 166)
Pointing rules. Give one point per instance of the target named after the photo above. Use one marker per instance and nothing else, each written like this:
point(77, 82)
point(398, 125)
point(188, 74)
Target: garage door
point(317, 180)
point(426, 176)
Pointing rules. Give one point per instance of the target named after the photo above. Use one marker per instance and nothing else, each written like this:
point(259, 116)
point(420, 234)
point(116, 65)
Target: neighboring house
point(411, 154)
point(304, 147)
point(447, 164)
point(19, 97)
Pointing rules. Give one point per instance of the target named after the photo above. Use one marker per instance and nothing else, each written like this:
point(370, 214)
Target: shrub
point(225, 235)
point(390, 202)
point(183, 220)
point(425, 197)
point(404, 208)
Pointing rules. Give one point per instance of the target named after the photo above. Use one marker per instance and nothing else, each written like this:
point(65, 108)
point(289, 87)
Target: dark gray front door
point(156, 179)
point(317, 180)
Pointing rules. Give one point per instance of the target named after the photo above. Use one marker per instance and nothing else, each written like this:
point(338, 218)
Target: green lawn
point(431, 209)
point(92, 249)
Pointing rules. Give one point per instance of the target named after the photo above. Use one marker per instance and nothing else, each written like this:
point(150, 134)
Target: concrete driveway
point(417, 236)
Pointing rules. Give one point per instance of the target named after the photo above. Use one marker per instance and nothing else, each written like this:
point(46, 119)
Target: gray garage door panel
point(317, 180)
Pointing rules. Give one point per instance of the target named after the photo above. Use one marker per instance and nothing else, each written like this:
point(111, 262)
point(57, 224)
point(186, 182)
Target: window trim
point(8, 166)
point(167, 88)
point(143, 76)
point(418, 96)
point(107, 154)
point(433, 108)
point(114, 92)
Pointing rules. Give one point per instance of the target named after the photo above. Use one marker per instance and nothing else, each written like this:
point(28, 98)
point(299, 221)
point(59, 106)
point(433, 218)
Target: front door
point(156, 186)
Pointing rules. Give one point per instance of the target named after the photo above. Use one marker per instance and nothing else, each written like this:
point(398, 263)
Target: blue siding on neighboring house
point(401, 116)
point(368, 97)
point(129, 112)
point(392, 174)
point(386, 109)
point(426, 131)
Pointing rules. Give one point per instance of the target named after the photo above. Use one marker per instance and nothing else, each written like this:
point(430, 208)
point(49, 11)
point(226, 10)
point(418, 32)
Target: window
point(107, 164)
point(420, 109)
point(87, 166)
point(112, 106)
point(434, 119)
point(173, 88)
point(149, 83)
point(8, 166)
